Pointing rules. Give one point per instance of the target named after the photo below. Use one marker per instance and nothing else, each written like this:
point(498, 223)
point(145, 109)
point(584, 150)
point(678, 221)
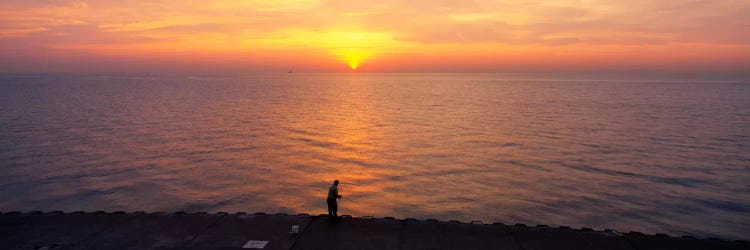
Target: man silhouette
point(333, 194)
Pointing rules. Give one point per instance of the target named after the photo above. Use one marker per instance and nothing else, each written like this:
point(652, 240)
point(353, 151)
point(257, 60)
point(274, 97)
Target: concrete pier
point(139, 230)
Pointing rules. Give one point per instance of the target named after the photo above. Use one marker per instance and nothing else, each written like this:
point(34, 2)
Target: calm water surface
point(671, 157)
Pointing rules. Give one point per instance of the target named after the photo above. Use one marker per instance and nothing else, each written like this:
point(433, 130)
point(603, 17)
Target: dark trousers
point(333, 207)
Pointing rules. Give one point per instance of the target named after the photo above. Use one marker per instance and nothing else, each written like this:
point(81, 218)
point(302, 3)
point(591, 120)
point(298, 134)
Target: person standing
point(333, 206)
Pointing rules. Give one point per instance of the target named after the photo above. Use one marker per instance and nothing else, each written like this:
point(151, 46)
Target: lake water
point(651, 156)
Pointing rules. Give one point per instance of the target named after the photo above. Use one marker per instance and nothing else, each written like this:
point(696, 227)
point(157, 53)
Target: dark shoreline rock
point(158, 230)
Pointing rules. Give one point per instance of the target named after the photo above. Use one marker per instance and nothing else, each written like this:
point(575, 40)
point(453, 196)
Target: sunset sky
point(235, 36)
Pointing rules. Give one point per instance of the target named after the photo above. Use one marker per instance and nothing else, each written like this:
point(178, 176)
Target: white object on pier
point(257, 244)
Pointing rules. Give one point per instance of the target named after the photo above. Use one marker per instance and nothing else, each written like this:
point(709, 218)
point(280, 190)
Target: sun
point(354, 65)
point(353, 48)
point(354, 56)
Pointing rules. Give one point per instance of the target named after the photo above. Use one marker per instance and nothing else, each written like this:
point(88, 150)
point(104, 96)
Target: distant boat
point(290, 71)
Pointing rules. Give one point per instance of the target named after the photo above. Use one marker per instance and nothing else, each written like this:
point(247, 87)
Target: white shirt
point(333, 192)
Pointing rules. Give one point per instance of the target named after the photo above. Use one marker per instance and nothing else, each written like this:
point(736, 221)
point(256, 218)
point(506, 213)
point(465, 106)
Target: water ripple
point(665, 157)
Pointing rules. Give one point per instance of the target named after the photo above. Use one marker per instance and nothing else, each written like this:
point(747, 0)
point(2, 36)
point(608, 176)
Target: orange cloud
point(388, 35)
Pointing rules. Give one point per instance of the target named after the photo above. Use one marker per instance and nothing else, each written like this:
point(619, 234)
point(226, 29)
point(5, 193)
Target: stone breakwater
point(180, 230)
